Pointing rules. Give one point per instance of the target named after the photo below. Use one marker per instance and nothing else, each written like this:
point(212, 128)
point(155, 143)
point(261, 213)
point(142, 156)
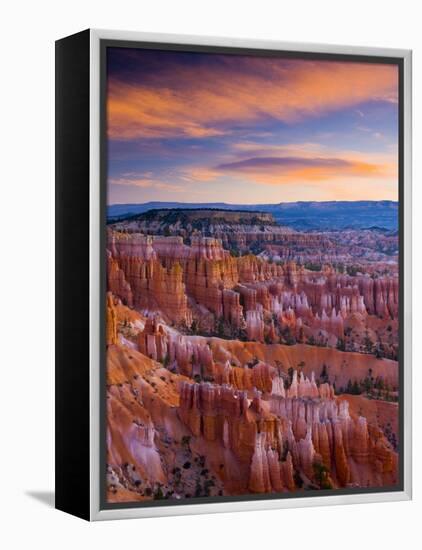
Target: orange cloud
point(299, 163)
point(145, 182)
point(205, 101)
point(288, 169)
point(199, 173)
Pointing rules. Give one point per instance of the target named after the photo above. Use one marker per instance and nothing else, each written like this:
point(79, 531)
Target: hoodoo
point(230, 371)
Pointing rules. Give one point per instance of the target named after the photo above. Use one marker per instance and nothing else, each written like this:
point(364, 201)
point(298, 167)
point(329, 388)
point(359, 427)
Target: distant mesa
point(301, 215)
point(211, 215)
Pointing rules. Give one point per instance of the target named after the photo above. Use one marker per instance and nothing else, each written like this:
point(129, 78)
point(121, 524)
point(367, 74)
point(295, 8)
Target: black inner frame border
point(243, 51)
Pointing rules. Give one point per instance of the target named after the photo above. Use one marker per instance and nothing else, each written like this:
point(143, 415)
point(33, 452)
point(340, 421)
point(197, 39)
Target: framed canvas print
point(233, 275)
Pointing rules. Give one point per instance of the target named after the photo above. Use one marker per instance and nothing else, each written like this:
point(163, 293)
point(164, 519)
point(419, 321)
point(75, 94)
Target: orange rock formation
point(212, 389)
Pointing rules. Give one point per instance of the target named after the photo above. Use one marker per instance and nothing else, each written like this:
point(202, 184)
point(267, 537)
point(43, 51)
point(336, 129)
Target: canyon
point(247, 357)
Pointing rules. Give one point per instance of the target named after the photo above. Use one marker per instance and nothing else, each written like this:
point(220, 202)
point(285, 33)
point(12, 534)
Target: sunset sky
point(196, 127)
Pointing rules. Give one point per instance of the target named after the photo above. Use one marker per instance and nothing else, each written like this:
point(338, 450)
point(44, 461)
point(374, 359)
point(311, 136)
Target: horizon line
point(253, 203)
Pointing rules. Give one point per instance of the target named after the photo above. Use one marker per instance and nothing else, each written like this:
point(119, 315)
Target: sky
point(204, 127)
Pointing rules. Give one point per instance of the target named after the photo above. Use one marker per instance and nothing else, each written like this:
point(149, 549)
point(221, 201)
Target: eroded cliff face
point(259, 232)
point(148, 285)
point(233, 374)
point(249, 297)
point(189, 415)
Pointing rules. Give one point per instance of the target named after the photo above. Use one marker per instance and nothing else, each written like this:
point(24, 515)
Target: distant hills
point(303, 216)
point(205, 215)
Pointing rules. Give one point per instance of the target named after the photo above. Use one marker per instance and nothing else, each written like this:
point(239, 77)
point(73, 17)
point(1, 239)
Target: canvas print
point(252, 267)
